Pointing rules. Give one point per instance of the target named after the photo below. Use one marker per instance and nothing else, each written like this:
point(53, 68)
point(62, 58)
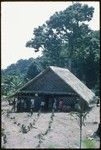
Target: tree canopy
point(67, 41)
point(32, 71)
point(63, 34)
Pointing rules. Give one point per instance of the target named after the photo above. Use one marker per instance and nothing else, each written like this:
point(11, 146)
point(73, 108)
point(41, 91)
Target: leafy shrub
point(2, 131)
point(89, 143)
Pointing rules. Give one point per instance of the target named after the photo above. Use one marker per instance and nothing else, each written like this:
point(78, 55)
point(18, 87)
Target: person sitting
point(64, 108)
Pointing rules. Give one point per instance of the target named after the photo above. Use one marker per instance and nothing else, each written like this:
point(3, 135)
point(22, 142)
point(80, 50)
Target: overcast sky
point(18, 19)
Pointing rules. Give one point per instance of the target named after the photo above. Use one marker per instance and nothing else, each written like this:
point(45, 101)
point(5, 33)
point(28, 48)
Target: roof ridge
point(52, 67)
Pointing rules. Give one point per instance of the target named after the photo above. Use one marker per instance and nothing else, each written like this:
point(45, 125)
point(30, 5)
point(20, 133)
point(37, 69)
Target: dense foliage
point(16, 75)
point(33, 70)
point(20, 67)
point(67, 41)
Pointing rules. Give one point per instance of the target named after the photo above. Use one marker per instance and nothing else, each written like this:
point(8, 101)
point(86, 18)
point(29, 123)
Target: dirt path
point(61, 132)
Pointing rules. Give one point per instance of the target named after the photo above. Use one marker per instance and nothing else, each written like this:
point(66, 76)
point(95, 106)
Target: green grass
point(89, 143)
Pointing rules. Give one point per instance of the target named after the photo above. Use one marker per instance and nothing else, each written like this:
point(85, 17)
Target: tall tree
point(67, 41)
point(69, 24)
point(65, 28)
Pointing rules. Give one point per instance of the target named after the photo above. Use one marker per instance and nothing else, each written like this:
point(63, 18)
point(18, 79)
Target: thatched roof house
point(57, 81)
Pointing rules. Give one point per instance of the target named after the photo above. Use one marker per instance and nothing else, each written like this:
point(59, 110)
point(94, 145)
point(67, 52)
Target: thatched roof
point(56, 80)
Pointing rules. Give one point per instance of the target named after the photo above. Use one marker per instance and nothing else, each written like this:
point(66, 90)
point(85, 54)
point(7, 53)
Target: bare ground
point(46, 130)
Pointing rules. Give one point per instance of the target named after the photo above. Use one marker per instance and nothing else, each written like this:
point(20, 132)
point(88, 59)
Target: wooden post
point(98, 130)
point(80, 129)
point(80, 111)
point(14, 104)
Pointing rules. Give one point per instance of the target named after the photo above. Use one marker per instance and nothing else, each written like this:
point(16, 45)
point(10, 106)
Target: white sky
point(18, 19)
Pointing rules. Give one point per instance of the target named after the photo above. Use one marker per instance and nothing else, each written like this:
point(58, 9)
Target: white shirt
point(32, 102)
point(42, 103)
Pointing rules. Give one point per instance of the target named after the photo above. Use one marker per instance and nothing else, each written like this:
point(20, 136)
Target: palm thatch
point(56, 80)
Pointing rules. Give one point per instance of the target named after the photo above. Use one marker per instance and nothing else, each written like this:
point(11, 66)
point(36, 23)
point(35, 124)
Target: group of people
point(25, 105)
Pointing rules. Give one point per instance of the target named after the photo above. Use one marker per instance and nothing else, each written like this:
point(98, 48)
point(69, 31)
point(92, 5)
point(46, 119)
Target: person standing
point(42, 105)
point(14, 104)
point(61, 105)
point(54, 105)
point(18, 106)
point(22, 105)
point(32, 105)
